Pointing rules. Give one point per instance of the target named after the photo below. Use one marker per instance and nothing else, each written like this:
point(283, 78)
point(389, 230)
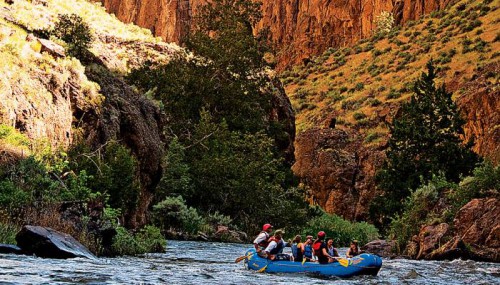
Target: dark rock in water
point(49, 243)
point(381, 248)
point(10, 248)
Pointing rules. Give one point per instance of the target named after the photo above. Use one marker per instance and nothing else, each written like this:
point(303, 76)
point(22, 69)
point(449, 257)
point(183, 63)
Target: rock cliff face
point(338, 169)
point(299, 28)
point(475, 234)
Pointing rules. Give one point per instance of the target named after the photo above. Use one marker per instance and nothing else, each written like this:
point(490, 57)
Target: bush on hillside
point(75, 33)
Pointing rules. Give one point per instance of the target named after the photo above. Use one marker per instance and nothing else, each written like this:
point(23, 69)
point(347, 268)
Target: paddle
point(344, 262)
point(263, 269)
point(243, 257)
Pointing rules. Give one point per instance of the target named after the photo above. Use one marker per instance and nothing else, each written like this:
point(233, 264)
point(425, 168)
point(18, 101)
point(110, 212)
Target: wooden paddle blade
point(304, 260)
point(263, 269)
point(343, 262)
point(240, 258)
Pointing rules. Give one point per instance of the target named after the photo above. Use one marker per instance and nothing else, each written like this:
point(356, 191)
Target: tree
point(425, 140)
point(226, 76)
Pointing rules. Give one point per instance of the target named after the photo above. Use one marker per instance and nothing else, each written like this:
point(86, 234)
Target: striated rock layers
point(299, 28)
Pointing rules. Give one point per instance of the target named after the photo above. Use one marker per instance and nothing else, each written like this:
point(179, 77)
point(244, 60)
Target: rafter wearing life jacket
point(279, 245)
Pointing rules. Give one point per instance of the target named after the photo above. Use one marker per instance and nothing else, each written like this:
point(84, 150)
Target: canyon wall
point(299, 28)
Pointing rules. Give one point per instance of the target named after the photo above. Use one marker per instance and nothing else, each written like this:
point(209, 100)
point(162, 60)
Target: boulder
point(223, 233)
point(52, 48)
point(48, 243)
point(10, 248)
point(477, 224)
point(430, 239)
point(453, 249)
point(380, 247)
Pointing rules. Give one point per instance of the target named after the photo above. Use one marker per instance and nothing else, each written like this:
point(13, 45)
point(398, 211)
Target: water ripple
point(213, 263)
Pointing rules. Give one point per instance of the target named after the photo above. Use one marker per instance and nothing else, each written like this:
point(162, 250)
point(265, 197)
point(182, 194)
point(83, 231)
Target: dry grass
point(375, 75)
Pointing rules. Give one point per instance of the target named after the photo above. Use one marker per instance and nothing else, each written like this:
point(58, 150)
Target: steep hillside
point(299, 28)
point(53, 98)
point(344, 98)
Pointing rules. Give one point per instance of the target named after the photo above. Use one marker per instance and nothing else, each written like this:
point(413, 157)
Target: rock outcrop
point(10, 249)
point(299, 28)
point(475, 234)
point(48, 243)
point(430, 238)
point(339, 169)
point(381, 248)
point(479, 105)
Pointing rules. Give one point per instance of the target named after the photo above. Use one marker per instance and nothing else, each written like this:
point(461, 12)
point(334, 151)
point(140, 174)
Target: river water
point(213, 263)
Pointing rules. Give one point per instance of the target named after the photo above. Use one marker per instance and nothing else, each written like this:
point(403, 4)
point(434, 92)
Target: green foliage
point(151, 239)
point(8, 233)
point(174, 213)
point(425, 140)
point(148, 239)
point(176, 179)
point(237, 173)
point(419, 209)
point(223, 155)
point(29, 180)
point(484, 182)
point(75, 32)
point(124, 243)
point(342, 231)
point(13, 137)
point(112, 172)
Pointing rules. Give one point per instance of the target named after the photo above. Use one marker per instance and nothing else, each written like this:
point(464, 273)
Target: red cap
point(321, 234)
point(266, 227)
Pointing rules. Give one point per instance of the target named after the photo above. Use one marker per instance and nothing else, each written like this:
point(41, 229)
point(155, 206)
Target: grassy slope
point(24, 72)
point(360, 84)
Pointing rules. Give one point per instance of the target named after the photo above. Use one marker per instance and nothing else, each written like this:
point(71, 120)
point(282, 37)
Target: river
point(213, 263)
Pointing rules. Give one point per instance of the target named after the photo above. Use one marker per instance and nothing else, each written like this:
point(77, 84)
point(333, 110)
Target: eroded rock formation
point(299, 28)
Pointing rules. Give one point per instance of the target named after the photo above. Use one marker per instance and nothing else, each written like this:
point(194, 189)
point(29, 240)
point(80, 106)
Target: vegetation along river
point(213, 263)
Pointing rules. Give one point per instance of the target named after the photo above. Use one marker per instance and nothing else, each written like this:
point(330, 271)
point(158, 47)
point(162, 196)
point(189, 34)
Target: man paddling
point(262, 240)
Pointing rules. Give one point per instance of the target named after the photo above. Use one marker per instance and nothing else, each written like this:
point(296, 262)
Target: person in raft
point(297, 249)
point(353, 249)
point(262, 240)
point(307, 249)
point(321, 250)
point(332, 251)
point(274, 250)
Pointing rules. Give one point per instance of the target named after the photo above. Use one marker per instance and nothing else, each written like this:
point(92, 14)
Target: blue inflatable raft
point(363, 264)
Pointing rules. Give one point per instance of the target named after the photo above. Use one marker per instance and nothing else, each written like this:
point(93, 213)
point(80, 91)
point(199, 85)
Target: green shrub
point(174, 213)
point(340, 230)
point(485, 181)
point(75, 32)
point(358, 116)
point(8, 233)
point(372, 137)
point(151, 239)
point(124, 243)
point(12, 136)
point(419, 209)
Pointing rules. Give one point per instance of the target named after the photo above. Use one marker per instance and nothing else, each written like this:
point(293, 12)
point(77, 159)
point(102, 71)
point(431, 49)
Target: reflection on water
point(213, 263)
